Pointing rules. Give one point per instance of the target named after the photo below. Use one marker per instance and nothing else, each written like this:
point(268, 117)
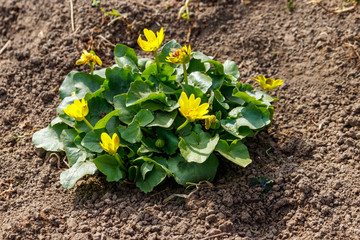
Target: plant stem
point(92, 68)
point(120, 162)
point(89, 125)
point(185, 74)
point(157, 61)
point(183, 125)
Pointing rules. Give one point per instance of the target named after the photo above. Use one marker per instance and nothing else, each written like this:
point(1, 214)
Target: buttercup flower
point(78, 110)
point(110, 145)
point(268, 83)
point(153, 42)
point(191, 109)
point(89, 58)
point(180, 56)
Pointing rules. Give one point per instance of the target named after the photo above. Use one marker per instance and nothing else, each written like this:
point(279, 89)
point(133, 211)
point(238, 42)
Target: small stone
point(211, 218)
point(227, 226)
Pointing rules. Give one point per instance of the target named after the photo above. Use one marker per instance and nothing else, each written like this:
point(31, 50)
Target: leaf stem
point(157, 61)
point(185, 74)
point(183, 125)
point(116, 156)
point(89, 125)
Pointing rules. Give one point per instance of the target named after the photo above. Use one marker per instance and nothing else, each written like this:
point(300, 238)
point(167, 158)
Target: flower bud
point(160, 143)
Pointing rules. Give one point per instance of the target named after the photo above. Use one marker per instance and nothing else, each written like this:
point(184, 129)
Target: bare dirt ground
point(314, 140)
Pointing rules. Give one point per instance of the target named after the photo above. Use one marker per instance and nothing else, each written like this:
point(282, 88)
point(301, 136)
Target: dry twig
point(336, 11)
point(5, 46)
point(215, 236)
point(72, 15)
point(103, 38)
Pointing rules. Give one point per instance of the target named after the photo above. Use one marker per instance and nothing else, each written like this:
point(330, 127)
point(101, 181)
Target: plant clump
point(143, 120)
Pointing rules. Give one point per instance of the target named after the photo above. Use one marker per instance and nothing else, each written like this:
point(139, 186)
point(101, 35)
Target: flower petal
point(150, 35)
point(203, 109)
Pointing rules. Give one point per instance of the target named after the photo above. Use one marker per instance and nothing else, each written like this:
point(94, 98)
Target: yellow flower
point(110, 145)
point(153, 42)
point(268, 83)
point(89, 58)
point(180, 55)
point(78, 110)
point(191, 109)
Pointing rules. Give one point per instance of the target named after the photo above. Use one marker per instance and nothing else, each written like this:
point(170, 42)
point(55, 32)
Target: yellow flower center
point(193, 114)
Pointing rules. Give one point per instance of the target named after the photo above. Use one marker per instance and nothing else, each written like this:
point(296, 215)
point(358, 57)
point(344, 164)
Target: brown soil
point(314, 141)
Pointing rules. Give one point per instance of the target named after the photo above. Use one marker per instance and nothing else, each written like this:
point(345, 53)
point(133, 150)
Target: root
point(8, 191)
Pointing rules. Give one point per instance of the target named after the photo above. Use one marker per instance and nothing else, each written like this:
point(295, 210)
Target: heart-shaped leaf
point(69, 177)
point(109, 166)
point(237, 152)
point(49, 138)
point(198, 147)
point(185, 172)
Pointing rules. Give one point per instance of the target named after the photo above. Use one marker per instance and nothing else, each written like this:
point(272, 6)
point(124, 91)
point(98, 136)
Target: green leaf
point(193, 90)
point(217, 81)
point(221, 99)
point(98, 108)
point(227, 92)
point(69, 177)
point(218, 67)
point(55, 121)
point(67, 86)
point(145, 168)
point(103, 122)
point(163, 119)
point(147, 146)
point(246, 97)
point(203, 58)
point(143, 117)
point(165, 71)
point(73, 153)
point(152, 178)
point(200, 81)
point(252, 116)
point(237, 152)
point(125, 55)
point(92, 141)
point(171, 141)
point(117, 82)
point(126, 114)
point(49, 138)
point(185, 172)
point(263, 98)
point(132, 133)
point(87, 83)
point(234, 128)
point(132, 173)
point(196, 65)
point(168, 106)
point(101, 72)
point(142, 63)
point(109, 166)
point(141, 91)
point(167, 49)
point(67, 120)
point(231, 69)
point(197, 147)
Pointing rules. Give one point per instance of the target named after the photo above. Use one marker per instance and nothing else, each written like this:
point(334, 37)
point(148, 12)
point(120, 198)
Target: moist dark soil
point(311, 151)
